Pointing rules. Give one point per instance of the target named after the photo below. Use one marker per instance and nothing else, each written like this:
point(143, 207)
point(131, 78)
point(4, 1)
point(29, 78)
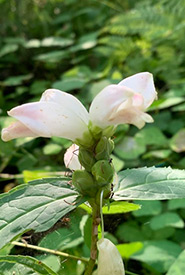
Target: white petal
point(109, 259)
point(106, 102)
point(141, 83)
point(16, 130)
point(48, 119)
point(71, 158)
point(66, 100)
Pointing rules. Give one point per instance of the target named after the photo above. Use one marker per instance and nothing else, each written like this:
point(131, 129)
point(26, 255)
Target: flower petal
point(106, 103)
point(66, 100)
point(48, 119)
point(141, 83)
point(109, 259)
point(71, 158)
point(16, 130)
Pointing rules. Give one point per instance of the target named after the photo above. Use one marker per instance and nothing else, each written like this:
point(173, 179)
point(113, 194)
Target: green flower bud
point(104, 148)
point(87, 141)
point(84, 183)
point(103, 172)
point(109, 131)
point(86, 158)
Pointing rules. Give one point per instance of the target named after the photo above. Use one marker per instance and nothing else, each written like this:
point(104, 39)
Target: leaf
point(152, 136)
point(51, 149)
point(176, 204)
point(127, 249)
point(16, 80)
point(148, 208)
point(65, 237)
point(23, 265)
point(9, 48)
point(150, 184)
point(166, 219)
point(130, 148)
point(178, 141)
point(178, 266)
point(166, 103)
point(158, 254)
point(52, 56)
point(36, 205)
point(120, 207)
point(69, 84)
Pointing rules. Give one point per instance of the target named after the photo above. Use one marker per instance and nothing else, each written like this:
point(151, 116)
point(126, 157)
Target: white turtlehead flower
point(125, 102)
point(109, 259)
point(61, 114)
point(56, 114)
point(71, 158)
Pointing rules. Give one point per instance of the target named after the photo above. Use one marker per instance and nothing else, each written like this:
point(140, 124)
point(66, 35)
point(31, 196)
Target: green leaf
point(176, 204)
point(51, 149)
point(166, 219)
point(16, 80)
point(23, 265)
point(36, 205)
point(65, 237)
point(148, 208)
point(166, 103)
point(130, 148)
point(69, 84)
point(178, 141)
point(9, 48)
point(158, 254)
point(120, 207)
point(150, 184)
point(152, 136)
point(52, 56)
point(178, 267)
point(127, 249)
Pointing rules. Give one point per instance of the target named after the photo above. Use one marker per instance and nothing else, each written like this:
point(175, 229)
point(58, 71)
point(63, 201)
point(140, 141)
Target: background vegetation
point(81, 47)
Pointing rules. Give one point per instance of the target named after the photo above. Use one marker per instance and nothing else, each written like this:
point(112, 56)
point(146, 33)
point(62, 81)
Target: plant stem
point(59, 253)
point(94, 238)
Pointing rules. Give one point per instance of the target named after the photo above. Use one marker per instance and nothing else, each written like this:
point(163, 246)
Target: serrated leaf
point(23, 265)
point(150, 184)
point(158, 254)
point(120, 207)
point(165, 220)
point(178, 266)
point(36, 205)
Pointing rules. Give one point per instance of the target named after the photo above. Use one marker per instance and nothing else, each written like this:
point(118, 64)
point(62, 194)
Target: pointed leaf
point(150, 184)
point(23, 265)
point(36, 205)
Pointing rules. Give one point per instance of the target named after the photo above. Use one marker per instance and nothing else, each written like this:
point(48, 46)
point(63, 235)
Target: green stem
point(59, 253)
point(94, 238)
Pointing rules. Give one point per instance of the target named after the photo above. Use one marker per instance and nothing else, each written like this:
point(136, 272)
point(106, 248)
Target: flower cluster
point(61, 114)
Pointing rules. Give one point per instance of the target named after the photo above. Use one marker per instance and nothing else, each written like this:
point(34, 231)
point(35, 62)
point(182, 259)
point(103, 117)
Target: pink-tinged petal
point(106, 102)
point(71, 158)
point(49, 119)
point(16, 130)
point(141, 83)
point(68, 101)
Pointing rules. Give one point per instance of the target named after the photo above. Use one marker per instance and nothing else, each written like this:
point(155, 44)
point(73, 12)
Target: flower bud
point(86, 158)
point(104, 148)
point(103, 172)
point(109, 259)
point(84, 183)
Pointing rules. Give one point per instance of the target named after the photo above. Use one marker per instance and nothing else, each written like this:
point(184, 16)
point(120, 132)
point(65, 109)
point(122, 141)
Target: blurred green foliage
point(80, 47)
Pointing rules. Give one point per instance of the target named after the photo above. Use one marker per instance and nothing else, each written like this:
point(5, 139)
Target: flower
point(61, 114)
point(56, 114)
point(124, 102)
point(109, 259)
point(71, 158)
